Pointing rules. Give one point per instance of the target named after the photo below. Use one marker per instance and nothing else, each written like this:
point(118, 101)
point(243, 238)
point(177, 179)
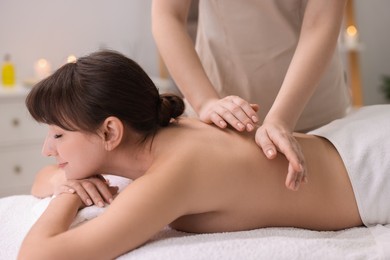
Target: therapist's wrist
point(279, 123)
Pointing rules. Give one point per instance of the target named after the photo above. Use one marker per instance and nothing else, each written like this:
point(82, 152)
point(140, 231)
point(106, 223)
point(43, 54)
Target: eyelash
point(57, 136)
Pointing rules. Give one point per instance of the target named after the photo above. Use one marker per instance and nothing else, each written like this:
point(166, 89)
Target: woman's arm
point(169, 21)
point(45, 181)
point(317, 42)
point(51, 180)
point(55, 220)
point(140, 211)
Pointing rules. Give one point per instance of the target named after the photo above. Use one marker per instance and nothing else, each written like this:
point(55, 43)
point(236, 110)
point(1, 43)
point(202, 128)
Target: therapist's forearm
point(299, 84)
point(315, 48)
point(180, 57)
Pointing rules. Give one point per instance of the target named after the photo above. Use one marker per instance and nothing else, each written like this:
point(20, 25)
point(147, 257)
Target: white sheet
point(18, 213)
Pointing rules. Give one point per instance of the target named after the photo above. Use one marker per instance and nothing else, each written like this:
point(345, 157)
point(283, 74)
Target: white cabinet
point(21, 140)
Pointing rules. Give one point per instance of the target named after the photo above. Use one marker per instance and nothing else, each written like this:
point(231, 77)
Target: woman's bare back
point(235, 187)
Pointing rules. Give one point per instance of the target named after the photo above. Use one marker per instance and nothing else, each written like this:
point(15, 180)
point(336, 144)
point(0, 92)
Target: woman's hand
point(94, 190)
point(273, 138)
point(231, 110)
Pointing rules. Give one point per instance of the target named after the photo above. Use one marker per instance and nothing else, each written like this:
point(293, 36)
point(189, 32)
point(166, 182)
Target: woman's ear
point(112, 132)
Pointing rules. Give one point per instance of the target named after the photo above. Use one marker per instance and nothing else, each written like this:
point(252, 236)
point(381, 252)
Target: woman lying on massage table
point(106, 116)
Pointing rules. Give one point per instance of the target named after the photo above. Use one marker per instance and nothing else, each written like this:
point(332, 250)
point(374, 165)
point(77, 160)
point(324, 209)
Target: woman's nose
point(48, 148)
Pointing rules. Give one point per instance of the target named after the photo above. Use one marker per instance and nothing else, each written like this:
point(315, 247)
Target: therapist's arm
point(317, 42)
point(169, 27)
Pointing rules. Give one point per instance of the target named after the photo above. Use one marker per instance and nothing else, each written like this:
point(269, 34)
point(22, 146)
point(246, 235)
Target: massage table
point(18, 214)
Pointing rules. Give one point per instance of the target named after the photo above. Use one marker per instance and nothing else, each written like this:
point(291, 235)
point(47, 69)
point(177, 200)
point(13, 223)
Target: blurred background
point(53, 30)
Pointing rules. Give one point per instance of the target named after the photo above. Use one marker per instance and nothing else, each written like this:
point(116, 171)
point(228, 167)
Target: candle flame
point(71, 59)
point(351, 30)
point(42, 63)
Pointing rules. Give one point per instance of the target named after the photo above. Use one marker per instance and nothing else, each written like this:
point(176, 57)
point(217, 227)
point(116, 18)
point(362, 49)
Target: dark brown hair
point(80, 96)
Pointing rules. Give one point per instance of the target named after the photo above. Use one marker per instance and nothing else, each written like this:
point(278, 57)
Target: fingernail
point(255, 119)
point(101, 204)
point(305, 180)
point(222, 123)
point(241, 126)
point(270, 152)
point(71, 190)
point(89, 202)
point(249, 127)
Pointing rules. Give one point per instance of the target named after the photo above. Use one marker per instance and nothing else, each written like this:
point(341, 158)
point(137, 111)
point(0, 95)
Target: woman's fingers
point(63, 189)
point(80, 190)
point(99, 191)
point(94, 190)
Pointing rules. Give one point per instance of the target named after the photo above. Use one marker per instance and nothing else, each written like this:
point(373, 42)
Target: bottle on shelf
point(8, 72)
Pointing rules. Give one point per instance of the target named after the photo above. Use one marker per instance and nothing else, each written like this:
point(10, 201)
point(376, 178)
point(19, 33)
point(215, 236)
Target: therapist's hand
point(231, 110)
point(273, 138)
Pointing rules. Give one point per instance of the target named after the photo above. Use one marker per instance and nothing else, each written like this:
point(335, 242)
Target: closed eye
point(57, 136)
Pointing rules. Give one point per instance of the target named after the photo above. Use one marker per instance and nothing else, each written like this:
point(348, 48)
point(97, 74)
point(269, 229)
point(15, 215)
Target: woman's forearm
point(55, 220)
point(45, 180)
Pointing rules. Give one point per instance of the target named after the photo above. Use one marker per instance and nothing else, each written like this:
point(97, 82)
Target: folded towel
point(16, 218)
point(18, 213)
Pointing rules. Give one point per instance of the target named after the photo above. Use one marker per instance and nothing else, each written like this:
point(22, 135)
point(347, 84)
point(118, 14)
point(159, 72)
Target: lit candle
point(351, 38)
point(42, 69)
point(71, 59)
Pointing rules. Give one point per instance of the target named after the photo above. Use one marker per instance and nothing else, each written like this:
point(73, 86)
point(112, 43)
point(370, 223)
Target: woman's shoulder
point(193, 146)
point(191, 136)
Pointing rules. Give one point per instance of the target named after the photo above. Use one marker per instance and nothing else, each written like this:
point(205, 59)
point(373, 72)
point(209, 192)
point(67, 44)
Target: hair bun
point(172, 106)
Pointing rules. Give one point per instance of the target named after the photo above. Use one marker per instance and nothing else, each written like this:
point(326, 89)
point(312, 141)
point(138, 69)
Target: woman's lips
point(62, 165)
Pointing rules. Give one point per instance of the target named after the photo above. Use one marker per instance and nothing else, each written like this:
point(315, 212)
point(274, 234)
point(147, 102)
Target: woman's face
point(79, 154)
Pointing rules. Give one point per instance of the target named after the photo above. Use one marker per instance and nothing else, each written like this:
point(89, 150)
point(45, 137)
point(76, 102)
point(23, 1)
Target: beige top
point(246, 48)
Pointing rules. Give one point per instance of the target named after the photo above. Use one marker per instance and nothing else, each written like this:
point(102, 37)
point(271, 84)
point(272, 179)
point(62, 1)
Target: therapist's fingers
point(291, 149)
point(249, 110)
point(217, 120)
point(219, 113)
point(264, 141)
point(230, 110)
point(295, 178)
point(272, 139)
point(239, 113)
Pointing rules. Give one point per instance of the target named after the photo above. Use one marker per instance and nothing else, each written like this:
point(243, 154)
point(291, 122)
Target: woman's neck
point(130, 159)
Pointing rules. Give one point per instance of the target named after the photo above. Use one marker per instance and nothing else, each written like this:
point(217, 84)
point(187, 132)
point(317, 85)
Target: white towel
point(362, 140)
point(18, 213)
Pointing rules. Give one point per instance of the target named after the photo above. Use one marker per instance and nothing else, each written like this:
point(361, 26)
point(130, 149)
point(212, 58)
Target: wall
point(373, 22)
point(54, 29)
